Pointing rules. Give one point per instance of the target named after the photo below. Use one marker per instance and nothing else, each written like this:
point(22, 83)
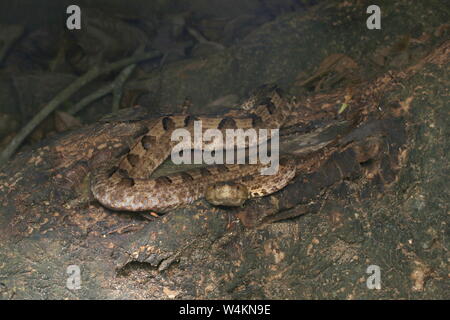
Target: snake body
point(124, 182)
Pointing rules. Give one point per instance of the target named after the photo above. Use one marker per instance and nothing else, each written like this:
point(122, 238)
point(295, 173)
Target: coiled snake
point(124, 184)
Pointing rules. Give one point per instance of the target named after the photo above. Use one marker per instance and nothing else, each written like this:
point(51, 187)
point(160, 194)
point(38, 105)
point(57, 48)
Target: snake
point(125, 182)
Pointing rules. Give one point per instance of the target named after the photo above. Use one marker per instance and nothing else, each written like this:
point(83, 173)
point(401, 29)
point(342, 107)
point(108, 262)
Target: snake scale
point(124, 182)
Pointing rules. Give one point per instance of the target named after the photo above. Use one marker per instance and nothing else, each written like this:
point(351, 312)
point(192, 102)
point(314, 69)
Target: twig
point(103, 91)
point(201, 39)
point(120, 80)
point(110, 87)
point(64, 95)
point(118, 85)
point(9, 35)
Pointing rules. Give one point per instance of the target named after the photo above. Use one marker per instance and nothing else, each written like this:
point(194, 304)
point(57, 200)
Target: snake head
point(228, 194)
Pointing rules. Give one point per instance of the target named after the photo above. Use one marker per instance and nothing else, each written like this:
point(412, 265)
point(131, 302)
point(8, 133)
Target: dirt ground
point(392, 215)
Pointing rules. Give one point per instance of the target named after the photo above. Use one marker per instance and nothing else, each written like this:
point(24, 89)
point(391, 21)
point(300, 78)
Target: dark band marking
point(227, 123)
point(256, 120)
point(279, 92)
point(222, 168)
point(133, 159)
point(163, 179)
point(123, 172)
point(270, 106)
point(142, 131)
point(186, 177)
point(111, 171)
point(147, 142)
point(168, 123)
point(246, 178)
point(205, 172)
point(123, 151)
point(189, 120)
point(126, 182)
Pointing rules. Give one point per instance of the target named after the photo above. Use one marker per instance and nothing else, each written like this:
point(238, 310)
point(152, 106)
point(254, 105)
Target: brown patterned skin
point(123, 183)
